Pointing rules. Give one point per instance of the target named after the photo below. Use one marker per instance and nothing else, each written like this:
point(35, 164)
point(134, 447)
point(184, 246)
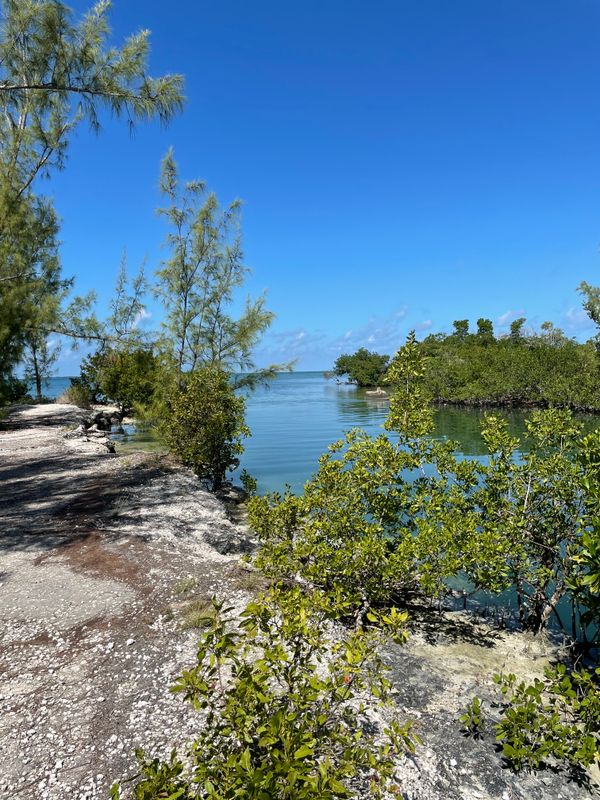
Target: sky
point(402, 164)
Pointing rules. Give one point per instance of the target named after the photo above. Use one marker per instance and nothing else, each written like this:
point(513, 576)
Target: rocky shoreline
point(104, 554)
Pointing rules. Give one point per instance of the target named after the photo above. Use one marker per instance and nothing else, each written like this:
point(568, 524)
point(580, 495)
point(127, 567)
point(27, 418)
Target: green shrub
point(249, 483)
point(363, 368)
point(284, 704)
point(204, 425)
point(128, 377)
point(14, 390)
point(556, 718)
point(473, 720)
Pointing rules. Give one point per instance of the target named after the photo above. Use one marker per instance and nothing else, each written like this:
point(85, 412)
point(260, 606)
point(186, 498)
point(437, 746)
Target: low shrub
point(285, 708)
point(557, 718)
point(203, 424)
point(77, 394)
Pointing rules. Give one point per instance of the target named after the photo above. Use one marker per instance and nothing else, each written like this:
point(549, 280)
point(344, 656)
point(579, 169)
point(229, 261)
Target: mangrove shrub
point(284, 707)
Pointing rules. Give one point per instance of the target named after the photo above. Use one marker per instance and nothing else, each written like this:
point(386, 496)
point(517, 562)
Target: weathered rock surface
point(449, 660)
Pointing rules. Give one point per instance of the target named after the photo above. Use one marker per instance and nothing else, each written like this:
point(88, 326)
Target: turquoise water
point(299, 414)
point(55, 387)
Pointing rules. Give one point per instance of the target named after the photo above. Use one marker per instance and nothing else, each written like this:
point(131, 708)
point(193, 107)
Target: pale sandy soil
point(91, 548)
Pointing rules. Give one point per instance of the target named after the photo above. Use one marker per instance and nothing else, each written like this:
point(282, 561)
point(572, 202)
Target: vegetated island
point(518, 370)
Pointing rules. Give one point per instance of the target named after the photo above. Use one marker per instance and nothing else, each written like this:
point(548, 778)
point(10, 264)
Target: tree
point(516, 330)
point(197, 282)
point(125, 367)
point(54, 73)
point(485, 330)
point(553, 335)
point(203, 424)
point(461, 329)
point(592, 301)
point(364, 368)
point(39, 360)
point(128, 376)
point(591, 306)
point(31, 287)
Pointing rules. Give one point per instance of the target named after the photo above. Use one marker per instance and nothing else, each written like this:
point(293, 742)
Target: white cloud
point(383, 334)
point(142, 316)
point(508, 316)
point(424, 326)
point(576, 320)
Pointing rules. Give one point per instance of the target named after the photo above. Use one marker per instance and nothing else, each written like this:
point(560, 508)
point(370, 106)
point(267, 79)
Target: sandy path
point(91, 548)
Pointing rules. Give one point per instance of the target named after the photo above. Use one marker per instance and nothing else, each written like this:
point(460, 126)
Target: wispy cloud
point(298, 343)
point(420, 327)
point(575, 320)
point(380, 333)
point(383, 334)
point(141, 317)
point(508, 316)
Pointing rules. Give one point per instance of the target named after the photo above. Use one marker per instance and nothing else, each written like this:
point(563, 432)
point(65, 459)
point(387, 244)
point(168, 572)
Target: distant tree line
point(520, 368)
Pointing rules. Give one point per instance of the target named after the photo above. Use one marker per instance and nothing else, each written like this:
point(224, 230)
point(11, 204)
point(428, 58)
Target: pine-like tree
point(198, 280)
point(55, 73)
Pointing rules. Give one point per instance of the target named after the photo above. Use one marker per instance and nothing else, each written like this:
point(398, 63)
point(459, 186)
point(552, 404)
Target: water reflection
point(134, 438)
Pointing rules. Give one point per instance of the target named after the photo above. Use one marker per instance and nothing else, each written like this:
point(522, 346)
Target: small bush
point(473, 720)
point(14, 390)
point(77, 394)
point(249, 483)
point(285, 709)
point(557, 718)
point(204, 424)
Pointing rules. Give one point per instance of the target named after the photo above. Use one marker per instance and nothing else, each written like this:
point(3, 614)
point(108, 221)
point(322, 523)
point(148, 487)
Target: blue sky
point(402, 164)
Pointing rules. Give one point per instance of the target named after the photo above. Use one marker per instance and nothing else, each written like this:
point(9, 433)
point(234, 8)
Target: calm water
point(294, 419)
point(56, 386)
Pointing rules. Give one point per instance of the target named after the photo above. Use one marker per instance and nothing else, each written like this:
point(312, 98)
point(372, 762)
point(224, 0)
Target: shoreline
point(103, 555)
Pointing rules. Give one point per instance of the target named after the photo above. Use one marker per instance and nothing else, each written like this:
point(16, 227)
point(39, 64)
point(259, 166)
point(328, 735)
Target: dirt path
point(92, 549)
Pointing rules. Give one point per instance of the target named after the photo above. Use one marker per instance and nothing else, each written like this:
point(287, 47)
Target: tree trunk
point(36, 372)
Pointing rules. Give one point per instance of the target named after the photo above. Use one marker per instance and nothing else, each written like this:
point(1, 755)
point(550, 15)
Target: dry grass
point(76, 396)
point(198, 613)
point(248, 578)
